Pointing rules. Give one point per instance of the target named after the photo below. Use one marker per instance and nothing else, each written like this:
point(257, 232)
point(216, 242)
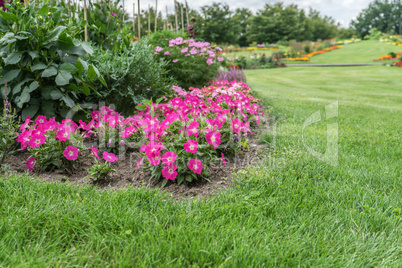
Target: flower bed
point(178, 139)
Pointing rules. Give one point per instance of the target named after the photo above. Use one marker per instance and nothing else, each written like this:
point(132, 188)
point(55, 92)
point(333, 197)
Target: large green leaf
point(31, 111)
point(46, 92)
point(91, 72)
point(24, 98)
point(34, 54)
point(63, 78)
point(68, 101)
point(38, 66)
point(8, 16)
point(87, 47)
point(13, 58)
point(51, 71)
point(65, 42)
point(10, 76)
point(17, 87)
point(68, 67)
point(44, 10)
point(56, 94)
point(34, 85)
point(54, 35)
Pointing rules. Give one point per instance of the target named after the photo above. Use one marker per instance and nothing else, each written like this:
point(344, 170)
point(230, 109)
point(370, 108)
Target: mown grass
point(361, 52)
point(291, 210)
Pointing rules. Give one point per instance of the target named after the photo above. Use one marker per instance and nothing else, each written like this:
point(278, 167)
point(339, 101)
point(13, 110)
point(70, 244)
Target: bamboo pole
point(182, 18)
point(149, 18)
point(175, 16)
point(188, 23)
point(69, 8)
point(26, 3)
point(139, 20)
point(85, 18)
point(156, 14)
point(134, 18)
point(124, 13)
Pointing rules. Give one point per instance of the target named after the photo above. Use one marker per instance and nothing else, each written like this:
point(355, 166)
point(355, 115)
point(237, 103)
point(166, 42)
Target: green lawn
point(362, 52)
point(292, 210)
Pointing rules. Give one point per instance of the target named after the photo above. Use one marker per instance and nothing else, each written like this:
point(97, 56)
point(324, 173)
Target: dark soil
point(127, 174)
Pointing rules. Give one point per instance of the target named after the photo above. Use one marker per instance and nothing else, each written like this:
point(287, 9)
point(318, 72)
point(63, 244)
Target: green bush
point(189, 70)
point(41, 61)
point(132, 76)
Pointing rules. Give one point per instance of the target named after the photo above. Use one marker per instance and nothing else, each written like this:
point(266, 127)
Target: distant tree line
point(275, 22)
point(384, 15)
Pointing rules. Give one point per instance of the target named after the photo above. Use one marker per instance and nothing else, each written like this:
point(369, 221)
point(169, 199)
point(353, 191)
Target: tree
point(384, 15)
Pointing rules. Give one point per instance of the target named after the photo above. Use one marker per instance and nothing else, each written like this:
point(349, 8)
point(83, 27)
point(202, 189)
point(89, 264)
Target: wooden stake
point(124, 13)
point(175, 16)
point(139, 20)
point(133, 17)
point(69, 8)
point(182, 18)
point(156, 14)
point(188, 23)
point(149, 18)
point(26, 3)
point(85, 18)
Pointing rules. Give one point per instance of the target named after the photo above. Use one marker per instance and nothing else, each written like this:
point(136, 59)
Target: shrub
point(41, 61)
point(132, 76)
point(190, 63)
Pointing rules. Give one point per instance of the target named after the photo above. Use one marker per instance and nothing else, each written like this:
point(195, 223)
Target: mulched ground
point(127, 174)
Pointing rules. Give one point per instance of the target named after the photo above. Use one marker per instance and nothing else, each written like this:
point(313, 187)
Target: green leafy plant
point(132, 76)
point(100, 171)
point(43, 64)
point(9, 125)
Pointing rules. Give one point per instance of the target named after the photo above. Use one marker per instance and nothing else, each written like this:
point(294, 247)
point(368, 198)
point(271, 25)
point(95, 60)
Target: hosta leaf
point(51, 71)
point(13, 58)
point(31, 110)
point(38, 66)
point(63, 78)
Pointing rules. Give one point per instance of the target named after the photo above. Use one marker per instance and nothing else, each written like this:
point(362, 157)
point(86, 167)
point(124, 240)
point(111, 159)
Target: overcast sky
point(342, 11)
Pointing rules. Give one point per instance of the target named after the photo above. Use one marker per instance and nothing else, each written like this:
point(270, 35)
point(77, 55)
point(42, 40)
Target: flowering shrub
point(231, 74)
point(178, 139)
point(191, 63)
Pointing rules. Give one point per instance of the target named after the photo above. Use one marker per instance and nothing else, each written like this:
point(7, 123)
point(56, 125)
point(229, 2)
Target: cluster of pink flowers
point(191, 48)
point(179, 134)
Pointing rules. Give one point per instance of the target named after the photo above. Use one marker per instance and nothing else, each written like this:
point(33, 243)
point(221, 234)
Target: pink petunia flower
point(128, 131)
point(156, 160)
point(175, 60)
point(26, 123)
point(95, 152)
point(71, 153)
point(36, 140)
point(191, 146)
point(223, 159)
point(169, 157)
point(64, 133)
point(220, 59)
point(110, 157)
point(192, 129)
point(166, 53)
point(140, 162)
point(237, 125)
point(214, 138)
point(169, 172)
point(40, 120)
point(195, 165)
point(31, 163)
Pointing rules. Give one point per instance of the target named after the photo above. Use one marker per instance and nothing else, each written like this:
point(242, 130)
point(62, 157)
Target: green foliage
point(132, 76)
point(9, 126)
point(100, 171)
point(42, 62)
point(375, 34)
point(187, 71)
point(384, 16)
